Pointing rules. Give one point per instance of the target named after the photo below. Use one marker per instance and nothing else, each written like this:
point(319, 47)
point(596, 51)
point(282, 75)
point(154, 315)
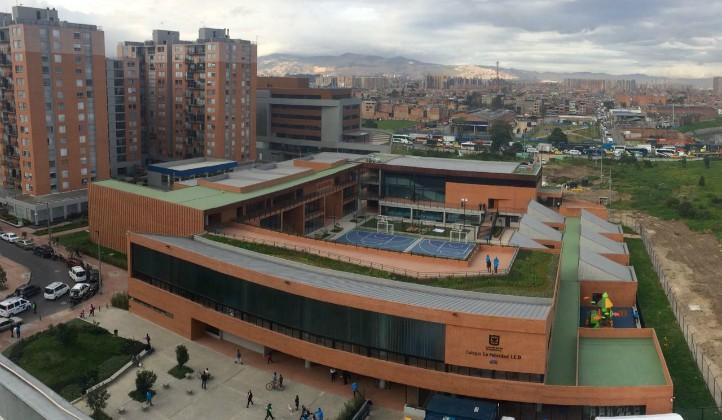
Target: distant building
point(295, 120)
point(717, 85)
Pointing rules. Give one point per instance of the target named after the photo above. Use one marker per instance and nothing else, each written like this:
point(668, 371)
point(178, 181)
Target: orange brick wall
point(114, 213)
point(508, 197)
point(622, 293)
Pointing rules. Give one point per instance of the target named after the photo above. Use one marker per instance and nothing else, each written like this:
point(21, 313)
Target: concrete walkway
point(225, 397)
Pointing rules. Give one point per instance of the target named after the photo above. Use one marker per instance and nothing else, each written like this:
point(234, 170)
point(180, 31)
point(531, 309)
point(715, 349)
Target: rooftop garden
point(532, 274)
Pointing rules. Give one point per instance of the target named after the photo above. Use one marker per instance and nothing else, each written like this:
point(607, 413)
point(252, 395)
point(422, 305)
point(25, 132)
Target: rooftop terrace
point(619, 362)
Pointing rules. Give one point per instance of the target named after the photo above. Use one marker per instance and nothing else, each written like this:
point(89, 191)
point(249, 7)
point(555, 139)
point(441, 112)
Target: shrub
point(686, 209)
point(144, 381)
point(351, 407)
point(97, 400)
point(66, 335)
point(181, 355)
point(673, 202)
point(120, 300)
point(701, 181)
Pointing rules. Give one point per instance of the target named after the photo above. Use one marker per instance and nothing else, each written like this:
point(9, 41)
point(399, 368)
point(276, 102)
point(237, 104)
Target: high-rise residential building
point(717, 85)
point(185, 99)
point(54, 119)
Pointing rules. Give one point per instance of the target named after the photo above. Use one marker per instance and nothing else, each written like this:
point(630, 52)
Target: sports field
point(405, 243)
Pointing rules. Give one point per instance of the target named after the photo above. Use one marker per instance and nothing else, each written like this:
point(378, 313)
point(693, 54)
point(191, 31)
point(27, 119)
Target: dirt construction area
point(692, 266)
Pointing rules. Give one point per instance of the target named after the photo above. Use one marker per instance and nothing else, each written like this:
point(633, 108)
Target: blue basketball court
point(377, 240)
point(443, 249)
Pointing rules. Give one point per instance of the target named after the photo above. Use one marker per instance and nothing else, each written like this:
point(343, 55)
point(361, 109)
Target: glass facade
point(379, 332)
point(413, 187)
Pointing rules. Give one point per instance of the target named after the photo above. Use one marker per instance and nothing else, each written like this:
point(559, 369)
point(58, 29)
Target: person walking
point(354, 388)
point(92, 310)
point(239, 360)
point(269, 415)
point(280, 381)
point(295, 401)
point(249, 398)
point(344, 376)
point(318, 415)
point(496, 265)
point(488, 263)
point(204, 378)
point(147, 338)
point(12, 332)
point(332, 372)
point(149, 397)
point(269, 357)
point(274, 381)
point(17, 332)
point(35, 308)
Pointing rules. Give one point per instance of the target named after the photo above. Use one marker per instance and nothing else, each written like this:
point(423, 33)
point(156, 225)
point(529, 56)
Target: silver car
point(7, 323)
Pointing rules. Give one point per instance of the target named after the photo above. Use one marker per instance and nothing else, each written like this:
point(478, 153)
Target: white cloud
point(662, 37)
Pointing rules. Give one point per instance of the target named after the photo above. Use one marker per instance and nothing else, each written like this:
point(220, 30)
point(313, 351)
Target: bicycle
point(274, 385)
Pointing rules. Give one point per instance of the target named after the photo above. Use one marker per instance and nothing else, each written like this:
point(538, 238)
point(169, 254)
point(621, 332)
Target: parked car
point(11, 237)
point(7, 323)
point(81, 291)
point(55, 290)
point(45, 251)
point(27, 291)
point(25, 244)
point(13, 306)
point(77, 274)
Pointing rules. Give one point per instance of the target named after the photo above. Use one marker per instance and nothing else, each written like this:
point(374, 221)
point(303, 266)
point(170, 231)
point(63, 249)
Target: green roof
point(619, 362)
point(204, 198)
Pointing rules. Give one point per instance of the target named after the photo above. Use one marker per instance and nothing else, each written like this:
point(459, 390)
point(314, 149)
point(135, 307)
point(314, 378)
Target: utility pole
point(610, 188)
point(50, 234)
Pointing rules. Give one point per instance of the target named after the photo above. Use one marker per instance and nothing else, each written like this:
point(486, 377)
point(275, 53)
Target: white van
point(77, 274)
point(55, 290)
point(13, 306)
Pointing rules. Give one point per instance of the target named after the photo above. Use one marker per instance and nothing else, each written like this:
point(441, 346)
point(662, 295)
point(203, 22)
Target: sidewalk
point(225, 397)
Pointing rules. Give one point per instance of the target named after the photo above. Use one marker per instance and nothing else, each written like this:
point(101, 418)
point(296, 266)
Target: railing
point(363, 411)
point(330, 342)
point(705, 365)
point(419, 275)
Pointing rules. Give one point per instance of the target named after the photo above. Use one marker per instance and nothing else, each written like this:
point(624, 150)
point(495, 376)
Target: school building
point(575, 352)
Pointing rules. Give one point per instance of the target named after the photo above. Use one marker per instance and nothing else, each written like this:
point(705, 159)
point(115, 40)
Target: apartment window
point(19, 69)
point(83, 171)
point(81, 139)
point(18, 57)
point(65, 173)
point(66, 185)
point(17, 43)
point(81, 106)
point(61, 129)
point(76, 35)
point(56, 33)
point(63, 152)
point(57, 58)
point(78, 83)
point(77, 48)
point(59, 83)
point(81, 117)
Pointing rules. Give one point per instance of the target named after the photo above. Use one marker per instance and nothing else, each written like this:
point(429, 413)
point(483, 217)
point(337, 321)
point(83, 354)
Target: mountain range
point(350, 64)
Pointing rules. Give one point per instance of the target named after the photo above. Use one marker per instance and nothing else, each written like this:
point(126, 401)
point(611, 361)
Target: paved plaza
point(225, 397)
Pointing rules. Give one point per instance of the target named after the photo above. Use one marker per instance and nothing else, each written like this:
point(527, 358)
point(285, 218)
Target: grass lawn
point(73, 365)
point(393, 125)
point(717, 122)
point(690, 392)
point(62, 228)
point(81, 241)
point(532, 274)
point(659, 188)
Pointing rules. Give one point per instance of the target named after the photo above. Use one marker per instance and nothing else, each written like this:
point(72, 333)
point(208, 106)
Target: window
point(79, 83)
point(63, 152)
point(56, 33)
point(61, 117)
point(81, 139)
point(19, 69)
point(66, 185)
point(65, 173)
point(18, 57)
point(83, 171)
point(61, 129)
point(81, 106)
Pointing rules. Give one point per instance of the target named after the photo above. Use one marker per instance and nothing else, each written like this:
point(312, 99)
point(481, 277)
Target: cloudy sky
point(680, 38)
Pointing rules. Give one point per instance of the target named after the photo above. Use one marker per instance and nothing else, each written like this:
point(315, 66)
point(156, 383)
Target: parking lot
point(44, 271)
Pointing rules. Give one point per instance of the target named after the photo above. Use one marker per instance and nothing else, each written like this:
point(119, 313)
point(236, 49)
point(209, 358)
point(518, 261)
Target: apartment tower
point(184, 99)
point(54, 121)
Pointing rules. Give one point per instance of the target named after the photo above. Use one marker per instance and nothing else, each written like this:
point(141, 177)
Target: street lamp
point(463, 206)
point(100, 263)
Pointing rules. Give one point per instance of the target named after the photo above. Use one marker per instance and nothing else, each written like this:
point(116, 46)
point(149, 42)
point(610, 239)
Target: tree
point(500, 134)
point(144, 381)
point(3, 279)
point(701, 181)
point(497, 102)
point(97, 400)
point(557, 136)
point(181, 355)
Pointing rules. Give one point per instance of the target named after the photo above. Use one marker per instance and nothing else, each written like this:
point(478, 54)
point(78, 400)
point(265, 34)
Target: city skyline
point(649, 37)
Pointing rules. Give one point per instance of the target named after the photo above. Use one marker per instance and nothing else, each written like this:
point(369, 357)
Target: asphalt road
point(44, 271)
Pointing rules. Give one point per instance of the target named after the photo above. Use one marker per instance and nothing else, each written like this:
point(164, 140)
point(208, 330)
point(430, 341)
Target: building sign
point(494, 351)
